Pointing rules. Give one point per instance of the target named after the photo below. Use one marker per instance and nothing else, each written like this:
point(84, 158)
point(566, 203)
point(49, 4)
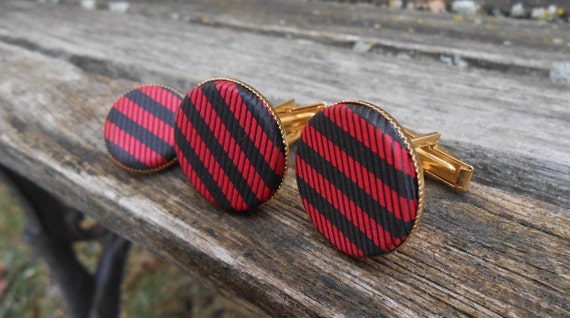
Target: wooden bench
point(500, 249)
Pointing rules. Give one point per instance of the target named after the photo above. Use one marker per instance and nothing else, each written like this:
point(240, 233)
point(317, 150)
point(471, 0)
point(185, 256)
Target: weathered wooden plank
point(507, 4)
point(483, 42)
point(496, 119)
point(488, 252)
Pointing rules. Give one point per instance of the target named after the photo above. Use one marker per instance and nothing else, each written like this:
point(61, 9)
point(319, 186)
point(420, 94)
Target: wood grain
point(493, 251)
point(509, 45)
point(505, 122)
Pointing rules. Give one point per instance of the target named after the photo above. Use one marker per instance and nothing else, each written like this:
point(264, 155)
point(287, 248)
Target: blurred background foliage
point(151, 288)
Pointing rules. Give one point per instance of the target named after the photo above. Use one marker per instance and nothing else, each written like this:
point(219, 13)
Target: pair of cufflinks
point(359, 173)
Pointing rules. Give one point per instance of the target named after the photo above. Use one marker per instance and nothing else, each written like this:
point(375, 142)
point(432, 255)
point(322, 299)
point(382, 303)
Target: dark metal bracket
point(52, 229)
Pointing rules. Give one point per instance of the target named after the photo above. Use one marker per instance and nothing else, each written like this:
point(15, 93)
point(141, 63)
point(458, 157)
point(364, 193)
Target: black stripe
point(343, 224)
point(366, 202)
point(142, 134)
point(176, 98)
point(152, 106)
point(122, 156)
point(266, 120)
point(223, 158)
point(388, 173)
point(241, 136)
point(366, 157)
point(201, 171)
point(377, 120)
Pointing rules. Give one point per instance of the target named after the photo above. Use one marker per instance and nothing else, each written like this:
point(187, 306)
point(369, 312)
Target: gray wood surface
point(518, 46)
point(500, 249)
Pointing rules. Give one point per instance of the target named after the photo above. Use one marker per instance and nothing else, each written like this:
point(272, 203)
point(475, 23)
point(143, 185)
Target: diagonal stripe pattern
point(139, 130)
point(357, 179)
point(230, 144)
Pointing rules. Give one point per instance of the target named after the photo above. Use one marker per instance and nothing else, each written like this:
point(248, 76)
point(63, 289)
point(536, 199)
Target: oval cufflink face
point(230, 144)
point(358, 179)
point(139, 130)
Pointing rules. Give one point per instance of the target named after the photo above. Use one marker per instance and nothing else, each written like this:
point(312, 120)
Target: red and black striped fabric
point(358, 179)
point(139, 131)
point(230, 144)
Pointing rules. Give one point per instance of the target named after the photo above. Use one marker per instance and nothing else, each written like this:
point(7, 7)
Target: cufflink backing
point(360, 176)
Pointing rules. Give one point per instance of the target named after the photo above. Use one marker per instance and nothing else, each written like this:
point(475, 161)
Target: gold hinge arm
point(440, 164)
point(294, 118)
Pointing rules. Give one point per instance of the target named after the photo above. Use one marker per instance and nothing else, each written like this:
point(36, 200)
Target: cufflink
point(232, 145)
point(360, 175)
point(139, 129)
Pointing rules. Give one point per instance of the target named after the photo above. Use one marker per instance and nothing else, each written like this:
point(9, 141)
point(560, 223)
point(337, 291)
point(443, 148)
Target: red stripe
point(230, 146)
point(196, 182)
point(337, 113)
point(133, 146)
point(360, 175)
point(229, 91)
point(211, 164)
point(348, 208)
point(332, 233)
point(323, 222)
point(208, 118)
point(319, 221)
point(145, 119)
point(162, 96)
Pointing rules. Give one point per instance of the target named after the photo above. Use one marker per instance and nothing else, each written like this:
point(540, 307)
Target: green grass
point(151, 288)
